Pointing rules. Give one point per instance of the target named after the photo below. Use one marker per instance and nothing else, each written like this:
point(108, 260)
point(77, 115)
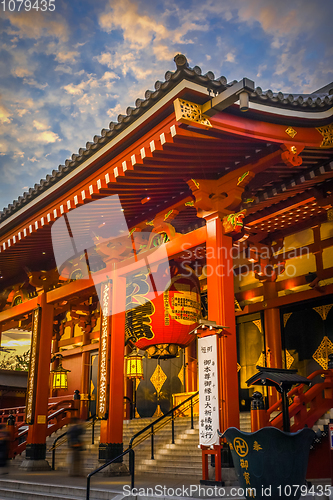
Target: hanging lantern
point(134, 367)
point(161, 325)
point(60, 376)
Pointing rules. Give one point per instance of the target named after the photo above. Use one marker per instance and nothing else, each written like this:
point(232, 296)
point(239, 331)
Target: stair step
point(29, 491)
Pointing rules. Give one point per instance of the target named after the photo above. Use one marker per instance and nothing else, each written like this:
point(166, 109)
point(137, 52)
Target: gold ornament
point(289, 359)
point(258, 324)
point(291, 132)
point(158, 378)
point(322, 353)
point(323, 310)
point(327, 133)
point(285, 318)
point(190, 112)
point(181, 376)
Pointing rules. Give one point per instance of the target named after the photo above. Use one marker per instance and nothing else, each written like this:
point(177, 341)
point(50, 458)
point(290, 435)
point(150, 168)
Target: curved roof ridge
point(183, 72)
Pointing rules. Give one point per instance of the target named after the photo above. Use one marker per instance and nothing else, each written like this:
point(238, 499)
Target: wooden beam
point(19, 310)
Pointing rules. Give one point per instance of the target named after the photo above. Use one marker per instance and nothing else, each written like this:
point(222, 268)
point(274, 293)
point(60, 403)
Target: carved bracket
point(222, 196)
point(233, 223)
point(190, 113)
point(327, 133)
point(290, 155)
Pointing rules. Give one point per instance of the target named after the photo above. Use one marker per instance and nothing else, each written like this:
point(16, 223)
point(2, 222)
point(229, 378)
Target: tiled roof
point(310, 102)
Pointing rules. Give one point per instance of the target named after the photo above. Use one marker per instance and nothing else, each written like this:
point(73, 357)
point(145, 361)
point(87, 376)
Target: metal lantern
point(60, 379)
point(134, 366)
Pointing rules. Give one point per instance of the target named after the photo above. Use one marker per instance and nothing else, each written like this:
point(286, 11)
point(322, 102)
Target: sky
point(65, 74)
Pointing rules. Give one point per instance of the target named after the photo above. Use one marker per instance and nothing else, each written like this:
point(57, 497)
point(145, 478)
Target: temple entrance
point(251, 352)
point(308, 335)
point(162, 378)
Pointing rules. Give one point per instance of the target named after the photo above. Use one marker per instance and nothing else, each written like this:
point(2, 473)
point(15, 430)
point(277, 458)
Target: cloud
point(5, 114)
point(36, 25)
point(64, 56)
point(230, 57)
point(138, 29)
point(34, 83)
point(22, 72)
point(48, 136)
point(16, 343)
point(110, 75)
point(115, 111)
point(63, 69)
point(40, 126)
point(75, 89)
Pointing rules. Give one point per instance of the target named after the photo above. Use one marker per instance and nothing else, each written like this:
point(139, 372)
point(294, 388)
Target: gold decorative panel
point(190, 112)
point(238, 367)
point(327, 133)
point(289, 359)
point(323, 351)
point(261, 360)
point(103, 369)
point(33, 369)
point(258, 324)
point(291, 132)
point(323, 310)
point(181, 375)
point(285, 318)
point(237, 306)
point(158, 378)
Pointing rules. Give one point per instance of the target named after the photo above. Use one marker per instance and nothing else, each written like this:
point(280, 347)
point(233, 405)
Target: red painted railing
point(309, 404)
point(60, 411)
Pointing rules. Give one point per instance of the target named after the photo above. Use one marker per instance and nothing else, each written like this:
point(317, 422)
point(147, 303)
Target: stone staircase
point(323, 421)
point(182, 458)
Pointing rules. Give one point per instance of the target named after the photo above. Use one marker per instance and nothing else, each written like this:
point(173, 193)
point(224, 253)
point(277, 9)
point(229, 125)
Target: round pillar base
point(34, 465)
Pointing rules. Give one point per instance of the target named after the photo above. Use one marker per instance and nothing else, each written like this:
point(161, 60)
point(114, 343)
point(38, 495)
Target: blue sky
point(64, 75)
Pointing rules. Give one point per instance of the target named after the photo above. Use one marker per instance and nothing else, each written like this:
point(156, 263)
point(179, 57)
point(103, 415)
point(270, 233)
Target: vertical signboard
point(32, 378)
point(104, 339)
point(208, 391)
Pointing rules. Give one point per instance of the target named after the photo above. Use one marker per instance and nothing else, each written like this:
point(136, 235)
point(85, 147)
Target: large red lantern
point(160, 325)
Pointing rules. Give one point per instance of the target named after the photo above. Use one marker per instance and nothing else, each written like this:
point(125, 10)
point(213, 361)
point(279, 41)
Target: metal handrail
point(171, 414)
point(131, 469)
point(93, 419)
point(54, 448)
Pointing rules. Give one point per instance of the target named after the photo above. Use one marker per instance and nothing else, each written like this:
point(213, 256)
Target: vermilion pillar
point(272, 328)
point(272, 336)
point(36, 441)
point(111, 441)
point(191, 373)
point(221, 308)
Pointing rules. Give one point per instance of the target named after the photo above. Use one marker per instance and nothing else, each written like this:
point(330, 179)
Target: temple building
point(209, 201)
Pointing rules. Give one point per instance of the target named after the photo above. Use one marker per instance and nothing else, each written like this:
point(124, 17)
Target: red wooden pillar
point(272, 337)
point(37, 433)
point(111, 440)
point(191, 373)
point(221, 308)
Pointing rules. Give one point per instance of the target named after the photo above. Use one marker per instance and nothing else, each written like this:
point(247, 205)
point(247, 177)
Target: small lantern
point(59, 375)
point(134, 367)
